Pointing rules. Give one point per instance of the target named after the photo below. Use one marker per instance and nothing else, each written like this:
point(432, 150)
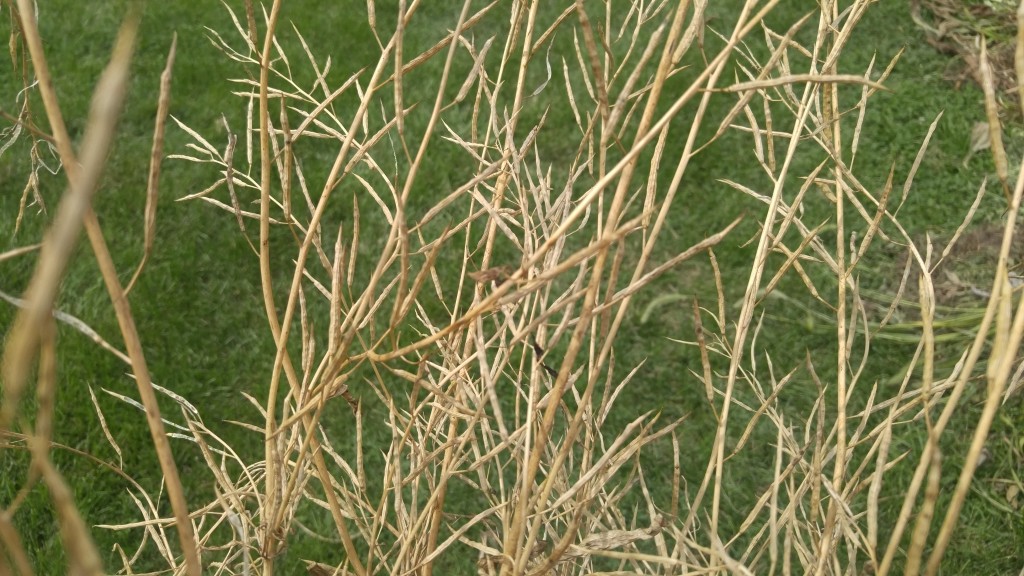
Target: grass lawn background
point(198, 305)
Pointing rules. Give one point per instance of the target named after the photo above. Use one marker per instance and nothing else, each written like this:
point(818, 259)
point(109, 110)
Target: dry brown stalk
point(23, 342)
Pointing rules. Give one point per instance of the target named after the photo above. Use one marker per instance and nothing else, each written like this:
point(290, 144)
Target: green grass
point(199, 310)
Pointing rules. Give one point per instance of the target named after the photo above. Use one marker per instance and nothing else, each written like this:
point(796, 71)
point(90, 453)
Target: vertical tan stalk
point(437, 513)
point(831, 121)
point(99, 135)
point(1004, 351)
point(717, 459)
point(271, 494)
point(273, 506)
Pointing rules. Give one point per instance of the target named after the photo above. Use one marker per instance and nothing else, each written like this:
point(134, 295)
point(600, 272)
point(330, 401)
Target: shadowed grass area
point(200, 312)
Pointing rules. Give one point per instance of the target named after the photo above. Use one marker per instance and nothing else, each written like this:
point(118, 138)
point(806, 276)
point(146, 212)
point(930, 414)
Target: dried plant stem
point(155, 158)
point(1004, 352)
point(83, 558)
point(995, 129)
point(13, 547)
point(830, 110)
point(42, 292)
point(1018, 55)
point(919, 537)
point(272, 493)
point(974, 353)
point(75, 209)
point(716, 462)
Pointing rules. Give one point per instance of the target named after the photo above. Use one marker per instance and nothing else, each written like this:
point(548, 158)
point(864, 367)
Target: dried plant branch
point(155, 159)
point(22, 343)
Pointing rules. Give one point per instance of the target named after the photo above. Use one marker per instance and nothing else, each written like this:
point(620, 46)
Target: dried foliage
point(484, 324)
point(962, 27)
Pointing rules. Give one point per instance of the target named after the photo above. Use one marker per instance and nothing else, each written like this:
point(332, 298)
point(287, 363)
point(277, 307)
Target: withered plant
point(445, 381)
